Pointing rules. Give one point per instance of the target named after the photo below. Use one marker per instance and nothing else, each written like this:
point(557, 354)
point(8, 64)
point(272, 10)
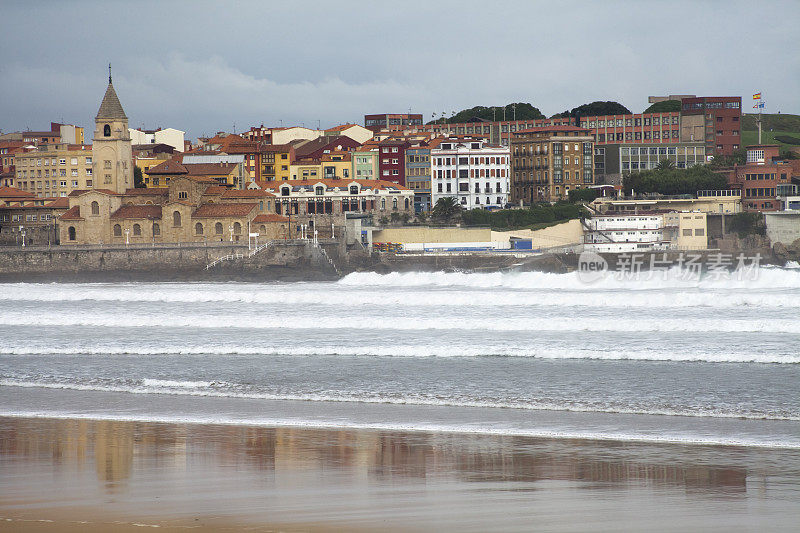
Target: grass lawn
point(767, 137)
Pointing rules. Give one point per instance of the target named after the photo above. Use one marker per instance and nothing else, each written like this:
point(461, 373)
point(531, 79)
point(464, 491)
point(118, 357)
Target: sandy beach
point(87, 475)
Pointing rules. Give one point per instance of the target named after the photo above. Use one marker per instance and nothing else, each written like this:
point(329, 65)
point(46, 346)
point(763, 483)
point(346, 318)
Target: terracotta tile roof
point(341, 127)
point(263, 219)
point(276, 147)
point(73, 213)
point(60, 203)
point(156, 191)
point(215, 190)
point(171, 166)
point(209, 169)
point(247, 193)
point(223, 210)
point(137, 211)
point(13, 192)
point(78, 192)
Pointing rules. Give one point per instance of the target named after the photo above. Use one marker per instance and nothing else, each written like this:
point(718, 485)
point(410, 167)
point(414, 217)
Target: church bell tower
point(112, 155)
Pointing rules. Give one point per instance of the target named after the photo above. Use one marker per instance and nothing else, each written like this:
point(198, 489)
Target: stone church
point(112, 156)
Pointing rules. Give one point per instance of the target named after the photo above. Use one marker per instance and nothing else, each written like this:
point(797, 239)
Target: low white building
point(625, 233)
point(471, 170)
point(168, 136)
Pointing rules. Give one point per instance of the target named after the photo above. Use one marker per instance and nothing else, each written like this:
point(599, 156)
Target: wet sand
point(84, 475)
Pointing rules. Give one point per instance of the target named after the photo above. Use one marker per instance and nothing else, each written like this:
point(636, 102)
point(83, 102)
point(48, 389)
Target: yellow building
point(276, 161)
point(145, 163)
point(55, 170)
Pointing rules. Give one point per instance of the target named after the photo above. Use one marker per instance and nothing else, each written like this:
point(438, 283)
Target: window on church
point(107, 164)
point(95, 208)
point(107, 131)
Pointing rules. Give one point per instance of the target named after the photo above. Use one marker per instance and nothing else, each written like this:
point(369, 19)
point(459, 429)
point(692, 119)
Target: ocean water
point(667, 359)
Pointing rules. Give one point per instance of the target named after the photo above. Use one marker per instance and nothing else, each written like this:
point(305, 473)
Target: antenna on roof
point(109, 72)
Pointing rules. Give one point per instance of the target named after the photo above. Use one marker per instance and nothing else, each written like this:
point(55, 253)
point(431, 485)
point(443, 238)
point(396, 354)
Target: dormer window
point(106, 131)
point(319, 191)
point(354, 189)
point(284, 191)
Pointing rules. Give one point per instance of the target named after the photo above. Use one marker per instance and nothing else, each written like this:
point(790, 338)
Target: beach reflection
point(116, 449)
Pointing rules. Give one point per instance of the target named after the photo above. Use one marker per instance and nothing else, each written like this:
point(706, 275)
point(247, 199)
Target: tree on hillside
point(675, 180)
point(446, 208)
point(664, 107)
point(595, 108)
point(524, 111)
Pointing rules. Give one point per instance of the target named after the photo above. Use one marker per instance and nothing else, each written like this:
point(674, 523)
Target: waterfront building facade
point(471, 170)
point(548, 162)
point(418, 176)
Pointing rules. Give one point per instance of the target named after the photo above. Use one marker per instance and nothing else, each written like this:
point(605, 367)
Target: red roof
point(73, 213)
point(246, 193)
point(78, 192)
point(13, 192)
point(263, 219)
point(137, 211)
point(158, 191)
point(215, 189)
point(223, 210)
point(60, 203)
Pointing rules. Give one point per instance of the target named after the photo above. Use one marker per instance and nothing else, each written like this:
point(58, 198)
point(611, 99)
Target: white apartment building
point(168, 136)
point(471, 170)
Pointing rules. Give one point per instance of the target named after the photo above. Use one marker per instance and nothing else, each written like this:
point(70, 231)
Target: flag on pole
point(757, 96)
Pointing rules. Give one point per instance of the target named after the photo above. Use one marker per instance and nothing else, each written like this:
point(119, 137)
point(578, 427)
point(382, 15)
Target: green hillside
point(776, 122)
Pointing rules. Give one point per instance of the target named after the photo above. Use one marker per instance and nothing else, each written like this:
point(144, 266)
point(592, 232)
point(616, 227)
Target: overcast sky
point(204, 66)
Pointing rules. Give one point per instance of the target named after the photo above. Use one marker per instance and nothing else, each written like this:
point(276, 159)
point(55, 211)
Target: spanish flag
point(757, 96)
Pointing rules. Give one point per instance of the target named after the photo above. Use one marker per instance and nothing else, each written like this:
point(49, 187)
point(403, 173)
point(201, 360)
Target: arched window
point(354, 189)
point(406, 203)
point(137, 229)
point(261, 205)
point(394, 203)
point(71, 232)
point(176, 219)
point(117, 230)
point(284, 191)
point(198, 228)
point(156, 229)
point(106, 131)
point(218, 228)
point(262, 229)
point(383, 204)
point(237, 228)
point(319, 191)
point(95, 208)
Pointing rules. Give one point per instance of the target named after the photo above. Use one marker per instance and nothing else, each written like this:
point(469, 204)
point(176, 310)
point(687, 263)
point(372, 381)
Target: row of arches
point(137, 230)
point(219, 229)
